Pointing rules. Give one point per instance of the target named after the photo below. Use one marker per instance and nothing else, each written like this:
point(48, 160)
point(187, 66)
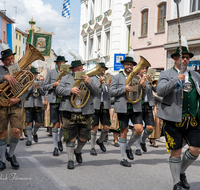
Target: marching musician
point(125, 109)
point(33, 108)
point(180, 111)
point(148, 103)
point(10, 114)
point(102, 105)
point(50, 85)
point(76, 121)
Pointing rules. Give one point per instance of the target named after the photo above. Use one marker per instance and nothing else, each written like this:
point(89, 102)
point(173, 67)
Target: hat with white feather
point(6, 51)
point(102, 63)
point(78, 59)
point(61, 56)
point(184, 47)
point(130, 58)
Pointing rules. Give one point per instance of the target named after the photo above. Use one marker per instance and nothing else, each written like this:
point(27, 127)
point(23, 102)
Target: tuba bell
point(84, 94)
point(24, 78)
point(130, 79)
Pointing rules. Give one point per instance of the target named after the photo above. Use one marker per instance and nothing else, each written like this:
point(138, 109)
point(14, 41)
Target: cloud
point(66, 31)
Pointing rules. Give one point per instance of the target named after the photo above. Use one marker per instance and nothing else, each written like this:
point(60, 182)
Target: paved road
point(40, 170)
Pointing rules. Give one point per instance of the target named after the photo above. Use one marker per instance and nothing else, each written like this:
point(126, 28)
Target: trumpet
point(107, 79)
point(150, 80)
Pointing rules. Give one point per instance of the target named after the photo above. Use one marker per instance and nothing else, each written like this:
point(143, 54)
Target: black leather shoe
point(125, 163)
point(78, 157)
point(138, 152)
point(60, 146)
point(2, 166)
point(102, 147)
point(184, 182)
point(28, 143)
point(55, 152)
point(35, 138)
point(70, 165)
point(116, 144)
point(177, 186)
point(93, 152)
point(143, 146)
point(129, 154)
point(13, 162)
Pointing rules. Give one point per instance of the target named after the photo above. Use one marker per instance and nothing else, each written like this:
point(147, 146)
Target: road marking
point(60, 185)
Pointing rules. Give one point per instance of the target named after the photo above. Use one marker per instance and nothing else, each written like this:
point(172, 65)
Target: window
point(91, 48)
point(107, 43)
point(109, 4)
point(85, 49)
point(16, 36)
point(129, 31)
point(16, 49)
point(92, 10)
point(161, 17)
point(99, 42)
point(19, 50)
point(144, 23)
point(194, 5)
point(19, 37)
point(23, 40)
point(4, 36)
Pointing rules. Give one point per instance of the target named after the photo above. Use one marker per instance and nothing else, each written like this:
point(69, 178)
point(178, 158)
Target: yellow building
point(19, 41)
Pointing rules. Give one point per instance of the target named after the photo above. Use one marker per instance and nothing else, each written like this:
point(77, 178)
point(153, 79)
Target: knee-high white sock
point(93, 139)
point(103, 135)
point(3, 145)
point(132, 140)
point(80, 146)
point(29, 132)
point(35, 129)
point(122, 144)
point(187, 160)
point(145, 135)
point(175, 167)
point(55, 137)
point(137, 143)
point(70, 150)
point(60, 134)
point(13, 144)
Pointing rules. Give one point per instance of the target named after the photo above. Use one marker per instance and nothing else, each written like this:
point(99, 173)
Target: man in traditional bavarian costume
point(179, 109)
point(50, 85)
point(148, 103)
point(33, 108)
point(10, 114)
point(76, 122)
point(101, 105)
point(126, 110)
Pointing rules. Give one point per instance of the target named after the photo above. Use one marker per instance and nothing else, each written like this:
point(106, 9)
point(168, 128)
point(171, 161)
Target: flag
point(66, 8)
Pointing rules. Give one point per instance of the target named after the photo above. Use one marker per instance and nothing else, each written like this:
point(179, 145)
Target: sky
point(48, 15)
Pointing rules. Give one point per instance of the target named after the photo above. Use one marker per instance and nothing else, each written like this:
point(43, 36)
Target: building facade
point(190, 26)
point(149, 31)
point(6, 29)
point(104, 30)
point(19, 44)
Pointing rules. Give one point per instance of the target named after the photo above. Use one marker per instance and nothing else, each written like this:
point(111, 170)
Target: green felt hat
point(76, 64)
point(60, 58)
point(103, 65)
point(6, 53)
point(184, 50)
point(129, 59)
point(34, 70)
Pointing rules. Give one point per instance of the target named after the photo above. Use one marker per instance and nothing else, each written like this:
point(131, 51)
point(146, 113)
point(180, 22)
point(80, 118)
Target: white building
point(189, 21)
point(104, 30)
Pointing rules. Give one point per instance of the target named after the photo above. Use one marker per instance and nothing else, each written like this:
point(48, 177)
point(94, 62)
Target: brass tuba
point(24, 78)
point(143, 63)
point(84, 94)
